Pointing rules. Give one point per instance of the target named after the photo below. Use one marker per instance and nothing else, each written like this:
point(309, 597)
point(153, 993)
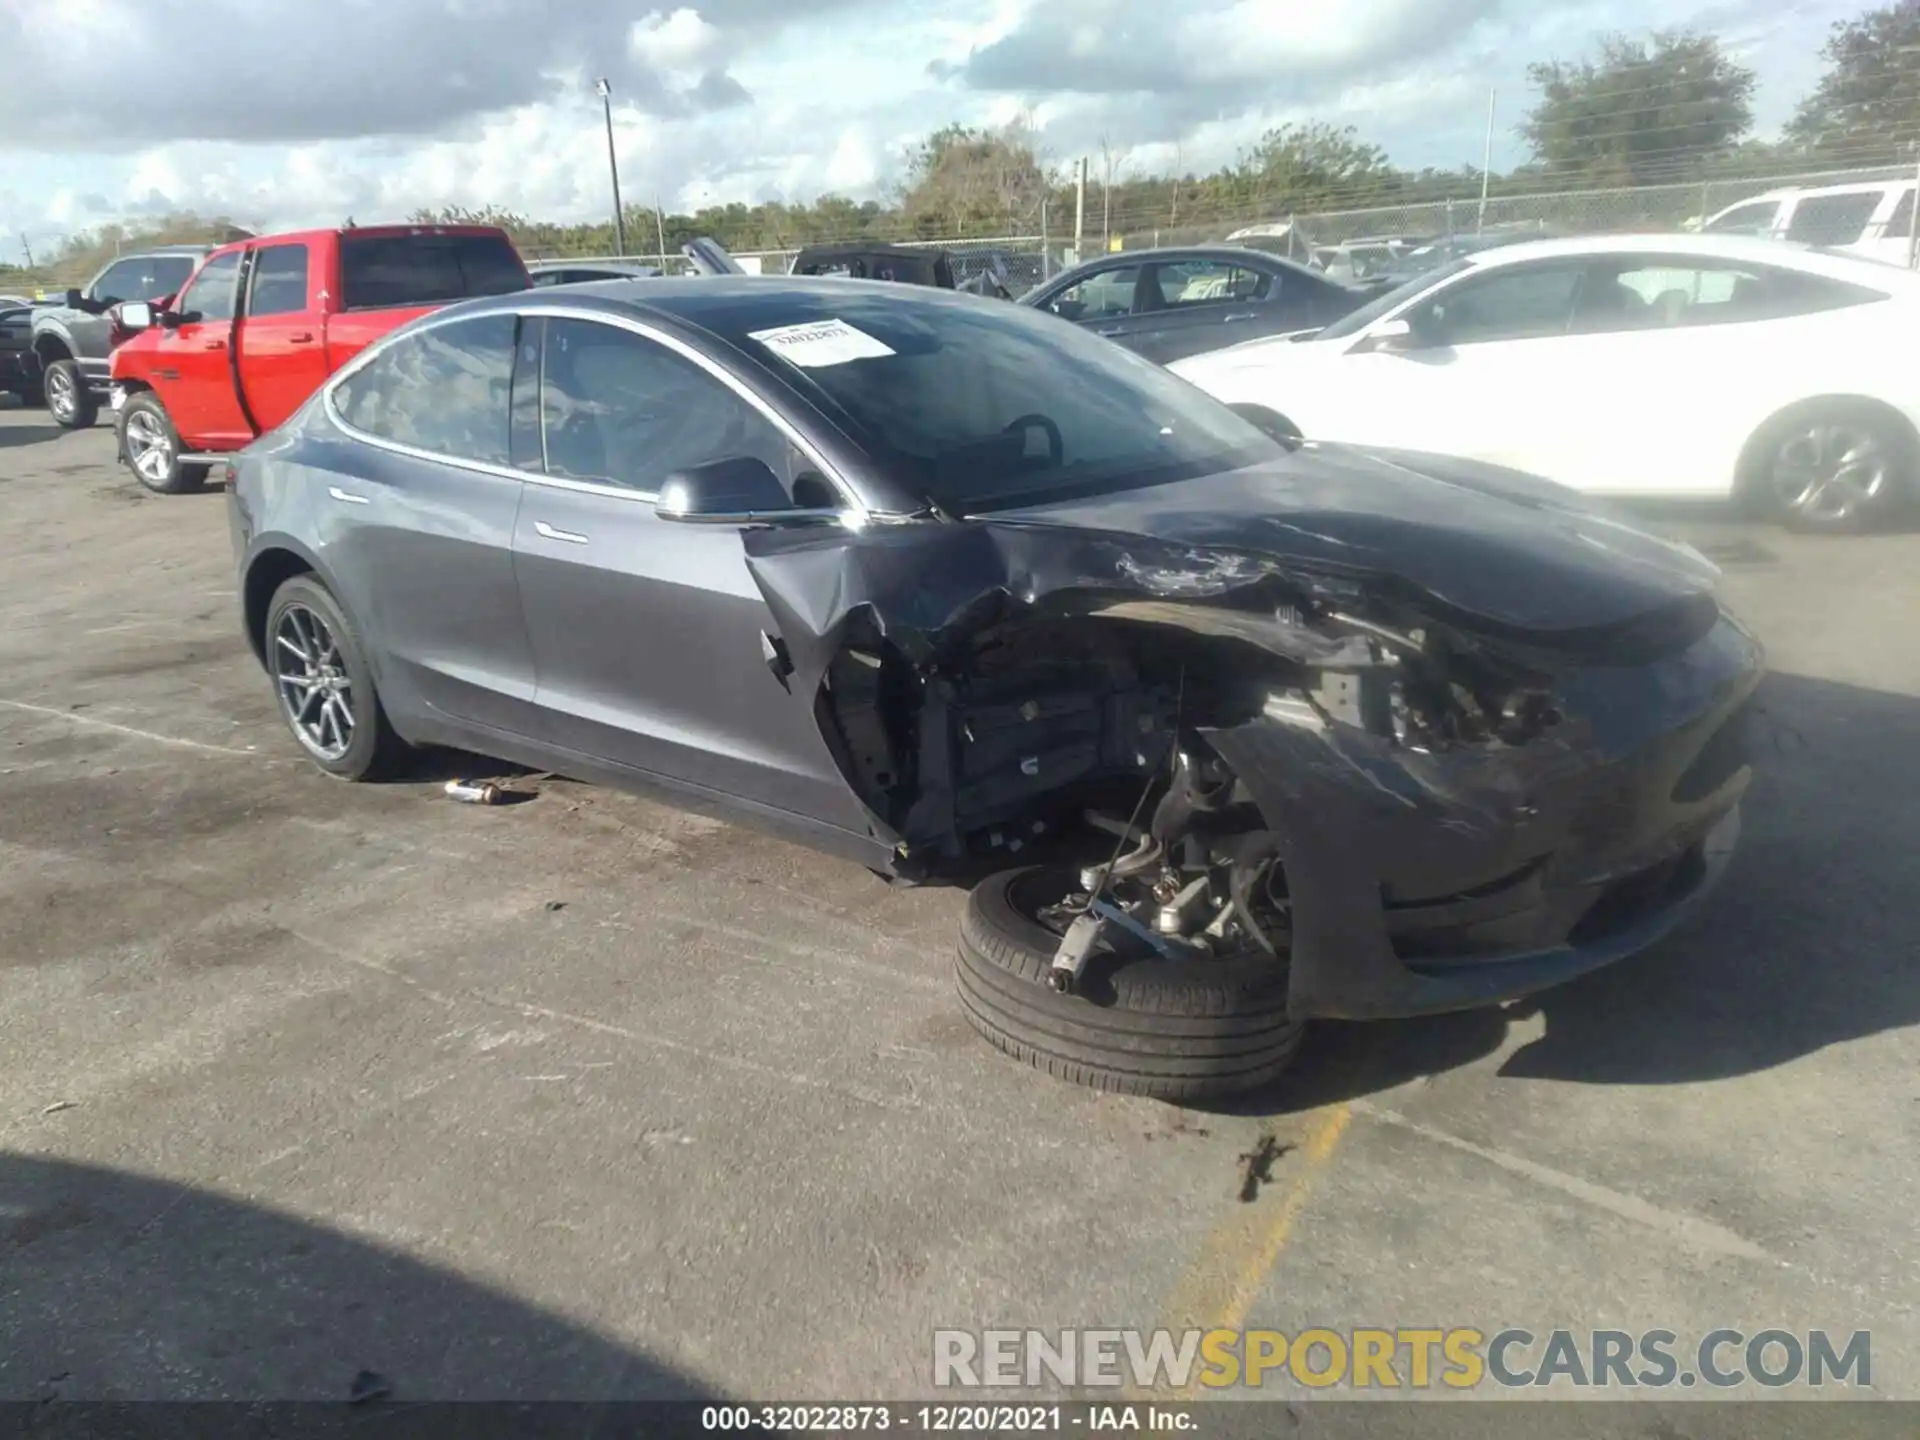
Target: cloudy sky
point(288, 112)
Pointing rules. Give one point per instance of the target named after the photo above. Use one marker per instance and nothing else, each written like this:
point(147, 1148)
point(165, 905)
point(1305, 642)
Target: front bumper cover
point(1422, 883)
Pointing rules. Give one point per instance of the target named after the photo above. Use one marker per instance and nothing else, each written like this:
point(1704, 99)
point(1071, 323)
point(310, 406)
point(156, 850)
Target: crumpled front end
point(1412, 807)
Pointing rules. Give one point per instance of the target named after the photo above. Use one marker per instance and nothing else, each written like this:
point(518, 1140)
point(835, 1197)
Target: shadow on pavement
point(120, 1287)
point(1807, 943)
point(16, 435)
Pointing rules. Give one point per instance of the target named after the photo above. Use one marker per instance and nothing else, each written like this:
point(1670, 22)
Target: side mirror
point(168, 319)
point(741, 491)
point(136, 315)
point(74, 299)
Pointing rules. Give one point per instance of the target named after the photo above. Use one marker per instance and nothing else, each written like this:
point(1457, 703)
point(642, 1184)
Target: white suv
point(1874, 220)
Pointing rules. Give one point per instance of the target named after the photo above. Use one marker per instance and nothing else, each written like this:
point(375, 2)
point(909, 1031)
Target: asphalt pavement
point(583, 1097)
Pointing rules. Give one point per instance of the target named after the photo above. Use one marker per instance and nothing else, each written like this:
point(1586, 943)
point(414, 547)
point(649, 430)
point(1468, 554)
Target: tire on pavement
point(309, 638)
point(151, 447)
point(1832, 441)
point(71, 404)
point(1182, 1031)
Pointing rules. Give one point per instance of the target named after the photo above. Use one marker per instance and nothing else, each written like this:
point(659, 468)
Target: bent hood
point(1497, 546)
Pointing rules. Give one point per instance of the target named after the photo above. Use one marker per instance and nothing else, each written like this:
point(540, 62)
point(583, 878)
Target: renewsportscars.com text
point(1401, 1358)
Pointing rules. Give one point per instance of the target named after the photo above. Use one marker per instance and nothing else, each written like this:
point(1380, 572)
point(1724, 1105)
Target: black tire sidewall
point(1181, 1031)
point(86, 409)
point(365, 756)
point(1762, 500)
point(182, 477)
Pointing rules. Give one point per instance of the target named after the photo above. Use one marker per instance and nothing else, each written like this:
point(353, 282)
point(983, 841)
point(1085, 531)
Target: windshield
point(981, 406)
point(1354, 321)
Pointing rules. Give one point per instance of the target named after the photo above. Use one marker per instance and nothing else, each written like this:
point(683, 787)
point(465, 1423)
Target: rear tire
point(314, 656)
point(71, 404)
point(151, 447)
point(1835, 467)
point(1180, 1031)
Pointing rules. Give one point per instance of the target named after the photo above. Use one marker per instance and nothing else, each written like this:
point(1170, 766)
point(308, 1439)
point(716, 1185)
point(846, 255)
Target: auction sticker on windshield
point(820, 343)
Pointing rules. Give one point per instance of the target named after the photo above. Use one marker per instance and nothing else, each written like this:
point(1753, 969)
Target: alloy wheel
point(311, 676)
point(1831, 473)
point(149, 447)
point(60, 397)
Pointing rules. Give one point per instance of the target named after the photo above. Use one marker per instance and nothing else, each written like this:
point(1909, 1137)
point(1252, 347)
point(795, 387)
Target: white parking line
point(94, 722)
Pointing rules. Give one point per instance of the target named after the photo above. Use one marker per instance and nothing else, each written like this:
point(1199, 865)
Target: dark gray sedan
point(1231, 731)
point(1167, 304)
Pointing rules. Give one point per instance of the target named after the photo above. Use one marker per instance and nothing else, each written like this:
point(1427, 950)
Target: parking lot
point(582, 1097)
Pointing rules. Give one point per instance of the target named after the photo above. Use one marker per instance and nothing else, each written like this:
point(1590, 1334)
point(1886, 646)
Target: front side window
point(1209, 282)
point(1520, 302)
point(1756, 218)
point(1101, 296)
point(210, 296)
point(444, 389)
point(981, 408)
point(279, 285)
point(1832, 219)
point(620, 409)
point(1381, 306)
point(145, 277)
point(424, 268)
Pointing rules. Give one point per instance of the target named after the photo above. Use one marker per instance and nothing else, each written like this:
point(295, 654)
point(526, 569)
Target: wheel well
point(270, 570)
point(51, 349)
point(1744, 470)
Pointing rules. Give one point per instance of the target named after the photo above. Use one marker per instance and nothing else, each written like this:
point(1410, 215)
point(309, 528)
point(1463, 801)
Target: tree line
point(1669, 107)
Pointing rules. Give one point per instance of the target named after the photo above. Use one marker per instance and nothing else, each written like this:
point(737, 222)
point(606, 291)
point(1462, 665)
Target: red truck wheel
point(151, 447)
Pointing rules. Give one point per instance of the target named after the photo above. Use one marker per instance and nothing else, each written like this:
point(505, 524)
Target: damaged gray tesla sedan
point(1239, 731)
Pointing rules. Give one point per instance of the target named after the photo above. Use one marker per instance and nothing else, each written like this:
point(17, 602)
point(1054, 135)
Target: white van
point(1874, 219)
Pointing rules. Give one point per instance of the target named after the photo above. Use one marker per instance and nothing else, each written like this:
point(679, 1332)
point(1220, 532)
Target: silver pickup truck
point(69, 343)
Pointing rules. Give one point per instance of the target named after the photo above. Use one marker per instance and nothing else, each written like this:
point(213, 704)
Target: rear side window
point(279, 281)
point(443, 389)
point(387, 270)
point(1832, 219)
point(145, 277)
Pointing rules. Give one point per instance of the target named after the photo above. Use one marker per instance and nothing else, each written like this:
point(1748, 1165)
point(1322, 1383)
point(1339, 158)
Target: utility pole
point(613, 168)
point(1080, 212)
point(660, 231)
point(1486, 164)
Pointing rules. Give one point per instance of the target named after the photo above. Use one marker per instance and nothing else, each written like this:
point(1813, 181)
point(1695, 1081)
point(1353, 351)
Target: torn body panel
point(1442, 796)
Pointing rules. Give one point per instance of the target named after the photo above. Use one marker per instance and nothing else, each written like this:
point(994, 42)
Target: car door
point(1101, 301)
point(192, 367)
point(1184, 307)
point(281, 355)
point(1484, 373)
point(655, 649)
point(417, 513)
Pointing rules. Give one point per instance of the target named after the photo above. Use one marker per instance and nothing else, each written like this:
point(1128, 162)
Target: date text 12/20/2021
point(1086, 1418)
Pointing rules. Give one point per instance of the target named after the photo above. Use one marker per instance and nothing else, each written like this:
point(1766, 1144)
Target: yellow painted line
point(1233, 1266)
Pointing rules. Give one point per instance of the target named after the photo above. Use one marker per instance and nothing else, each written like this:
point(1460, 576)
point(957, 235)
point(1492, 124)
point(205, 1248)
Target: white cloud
point(489, 102)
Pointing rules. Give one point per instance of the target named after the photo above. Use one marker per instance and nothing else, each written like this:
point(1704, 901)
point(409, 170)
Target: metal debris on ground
point(369, 1385)
point(1259, 1167)
point(473, 792)
point(57, 1106)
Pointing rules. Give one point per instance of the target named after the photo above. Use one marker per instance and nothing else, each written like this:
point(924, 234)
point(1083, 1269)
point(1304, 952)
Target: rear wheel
point(153, 450)
point(324, 684)
point(1837, 466)
point(1178, 1030)
point(71, 404)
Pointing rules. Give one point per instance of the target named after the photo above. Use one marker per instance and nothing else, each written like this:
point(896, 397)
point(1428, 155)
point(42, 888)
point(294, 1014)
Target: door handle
point(305, 337)
point(346, 495)
point(547, 532)
point(1114, 330)
point(1243, 315)
point(213, 344)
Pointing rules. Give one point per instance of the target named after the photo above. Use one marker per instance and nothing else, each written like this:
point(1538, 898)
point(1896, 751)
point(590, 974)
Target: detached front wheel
point(1140, 1024)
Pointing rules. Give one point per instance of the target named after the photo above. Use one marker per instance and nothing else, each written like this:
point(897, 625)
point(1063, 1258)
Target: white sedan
point(1645, 365)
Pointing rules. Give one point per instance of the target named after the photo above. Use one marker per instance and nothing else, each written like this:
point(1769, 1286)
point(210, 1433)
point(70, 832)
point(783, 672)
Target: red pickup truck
point(262, 322)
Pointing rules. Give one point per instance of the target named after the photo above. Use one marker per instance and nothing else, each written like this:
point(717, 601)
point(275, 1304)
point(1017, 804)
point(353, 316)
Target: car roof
point(1753, 249)
point(620, 267)
point(901, 252)
point(1166, 254)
